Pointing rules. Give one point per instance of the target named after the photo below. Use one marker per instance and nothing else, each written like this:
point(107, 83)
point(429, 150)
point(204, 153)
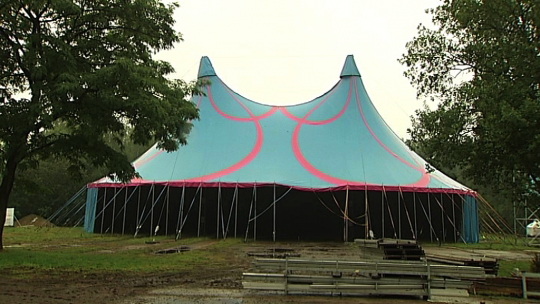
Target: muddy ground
point(221, 284)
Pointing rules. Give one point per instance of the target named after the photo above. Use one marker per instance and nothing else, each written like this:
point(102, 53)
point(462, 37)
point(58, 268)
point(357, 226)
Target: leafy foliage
point(86, 73)
point(43, 190)
point(482, 63)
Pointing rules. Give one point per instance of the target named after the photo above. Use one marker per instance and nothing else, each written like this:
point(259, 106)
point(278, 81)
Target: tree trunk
point(6, 185)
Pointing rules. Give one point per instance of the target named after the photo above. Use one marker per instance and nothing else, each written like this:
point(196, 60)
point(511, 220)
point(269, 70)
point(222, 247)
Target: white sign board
point(10, 216)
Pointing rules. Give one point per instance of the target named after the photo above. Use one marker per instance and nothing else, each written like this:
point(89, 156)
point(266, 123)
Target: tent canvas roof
point(335, 141)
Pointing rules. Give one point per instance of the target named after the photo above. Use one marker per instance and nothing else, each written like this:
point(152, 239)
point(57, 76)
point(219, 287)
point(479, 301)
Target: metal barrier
point(524, 276)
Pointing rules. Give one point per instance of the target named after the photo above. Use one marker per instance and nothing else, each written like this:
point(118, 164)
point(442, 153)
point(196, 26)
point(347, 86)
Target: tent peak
point(349, 68)
point(206, 68)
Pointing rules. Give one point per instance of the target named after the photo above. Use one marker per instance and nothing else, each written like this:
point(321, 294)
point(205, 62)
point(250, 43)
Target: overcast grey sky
point(290, 51)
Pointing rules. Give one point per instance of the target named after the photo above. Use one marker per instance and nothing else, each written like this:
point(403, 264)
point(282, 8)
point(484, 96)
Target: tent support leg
point(366, 213)
point(399, 215)
point(274, 221)
point(346, 219)
point(443, 236)
point(236, 210)
point(103, 209)
point(152, 209)
point(454, 218)
point(218, 205)
point(382, 212)
point(167, 211)
point(181, 220)
point(429, 214)
point(200, 210)
point(138, 211)
point(113, 211)
point(255, 213)
point(415, 223)
point(249, 218)
point(125, 206)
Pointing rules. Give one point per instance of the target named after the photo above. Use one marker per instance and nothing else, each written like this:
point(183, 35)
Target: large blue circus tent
point(329, 168)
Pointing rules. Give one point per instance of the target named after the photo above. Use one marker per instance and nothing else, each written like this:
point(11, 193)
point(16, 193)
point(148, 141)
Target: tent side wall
point(278, 212)
point(90, 212)
point(471, 226)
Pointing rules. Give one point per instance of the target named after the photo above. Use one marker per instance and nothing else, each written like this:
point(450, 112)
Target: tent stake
point(200, 206)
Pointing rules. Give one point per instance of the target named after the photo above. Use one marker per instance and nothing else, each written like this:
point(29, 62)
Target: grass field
point(72, 249)
point(67, 265)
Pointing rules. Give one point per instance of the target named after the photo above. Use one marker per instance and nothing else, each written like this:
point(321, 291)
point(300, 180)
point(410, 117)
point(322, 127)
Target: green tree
point(481, 61)
point(43, 190)
point(87, 68)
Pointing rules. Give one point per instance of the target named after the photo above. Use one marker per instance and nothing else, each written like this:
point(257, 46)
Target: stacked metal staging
point(327, 169)
point(359, 277)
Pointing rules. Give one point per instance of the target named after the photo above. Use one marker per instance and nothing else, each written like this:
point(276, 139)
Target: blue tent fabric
point(90, 212)
point(470, 229)
point(336, 141)
point(349, 68)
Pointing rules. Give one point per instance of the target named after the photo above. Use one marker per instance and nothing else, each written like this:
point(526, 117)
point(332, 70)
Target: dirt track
point(210, 285)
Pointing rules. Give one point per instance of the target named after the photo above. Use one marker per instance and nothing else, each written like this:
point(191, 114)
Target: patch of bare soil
point(34, 220)
point(212, 284)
